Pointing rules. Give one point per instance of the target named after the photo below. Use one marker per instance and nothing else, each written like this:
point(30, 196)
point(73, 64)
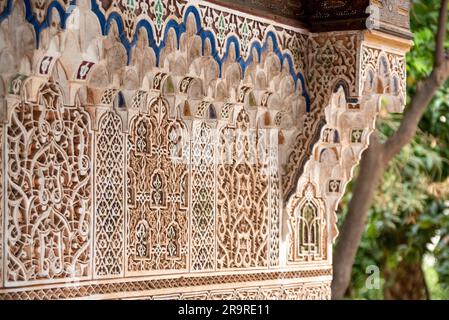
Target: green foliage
point(437, 292)
point(408, 220)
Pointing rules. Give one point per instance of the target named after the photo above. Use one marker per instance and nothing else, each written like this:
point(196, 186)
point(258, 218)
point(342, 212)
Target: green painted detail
point(131, 4)
point(221, 28)
point(245, 36)
point(159, 11)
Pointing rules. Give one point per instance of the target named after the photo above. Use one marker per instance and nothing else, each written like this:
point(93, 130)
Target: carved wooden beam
point(196, 148)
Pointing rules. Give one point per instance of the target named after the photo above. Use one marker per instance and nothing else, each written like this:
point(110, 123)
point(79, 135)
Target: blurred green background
point(407, 234)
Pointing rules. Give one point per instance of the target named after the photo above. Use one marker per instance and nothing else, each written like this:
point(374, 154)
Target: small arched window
point(309, 229)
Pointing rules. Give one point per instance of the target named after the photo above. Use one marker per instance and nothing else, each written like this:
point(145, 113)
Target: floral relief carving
point(157, 212)
point(332, 58)
point(49, 184)
point(275, 201)
point(242, 209)
point(349, 123)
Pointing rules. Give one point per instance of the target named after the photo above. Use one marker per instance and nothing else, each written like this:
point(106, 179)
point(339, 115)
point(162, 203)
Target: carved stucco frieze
point(350, 118)
point(157, 138)
point(332, 61)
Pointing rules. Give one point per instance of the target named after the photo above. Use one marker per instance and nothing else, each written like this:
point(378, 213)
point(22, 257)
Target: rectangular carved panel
point(109, 187)
point(242, 198)
point(48, 213)
point(158, 185)
point(203, 254)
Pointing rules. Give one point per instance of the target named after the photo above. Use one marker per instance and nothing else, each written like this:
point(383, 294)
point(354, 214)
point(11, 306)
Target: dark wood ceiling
point(310, 13)
point(327, 15)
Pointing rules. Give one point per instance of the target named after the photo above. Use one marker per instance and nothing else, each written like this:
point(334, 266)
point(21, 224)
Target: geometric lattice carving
point(203, 198)
point(117, 288)
point(109, 189)
point(275, 200)
point(311, 291)
point(158, 192)
point(49, 190)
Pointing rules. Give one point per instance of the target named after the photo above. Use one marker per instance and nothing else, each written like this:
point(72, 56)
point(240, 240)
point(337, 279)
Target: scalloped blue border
point(7, 11)
point(31, 17)
point(46, 23)
point(179, 29)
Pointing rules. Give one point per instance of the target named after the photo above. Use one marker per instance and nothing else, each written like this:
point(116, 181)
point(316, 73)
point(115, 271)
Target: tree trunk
point(371, 169)
point(406, 282)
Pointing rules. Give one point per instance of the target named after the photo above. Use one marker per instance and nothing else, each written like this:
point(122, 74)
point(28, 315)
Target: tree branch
point(371, 169)
point(441, 33)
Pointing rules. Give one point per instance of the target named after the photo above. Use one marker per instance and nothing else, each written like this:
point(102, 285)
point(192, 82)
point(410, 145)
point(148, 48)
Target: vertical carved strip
point(158, 185)
point(203, 199)
point(109, 224)
point(49, 191)
point(275, 197)
point(139, 149)
point(242, 203)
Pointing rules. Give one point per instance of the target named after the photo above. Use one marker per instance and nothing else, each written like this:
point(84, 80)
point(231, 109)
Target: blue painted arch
point(178, 27)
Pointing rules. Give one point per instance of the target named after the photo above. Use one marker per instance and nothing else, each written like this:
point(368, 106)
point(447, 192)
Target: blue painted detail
point(101, 18)
point(31, 18)
point(336, 137)
point(233, 40)
point(255, 46)
point(7, 11)
point(38, 27)
point(193, 10)
point(115, 17)
point(179, 29)
point(144, 24)
point(121, 101)
point(208, 35)
point(212, 113)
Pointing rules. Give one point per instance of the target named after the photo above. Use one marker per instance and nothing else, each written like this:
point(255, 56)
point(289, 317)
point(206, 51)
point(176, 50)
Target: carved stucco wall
point(174, 149)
